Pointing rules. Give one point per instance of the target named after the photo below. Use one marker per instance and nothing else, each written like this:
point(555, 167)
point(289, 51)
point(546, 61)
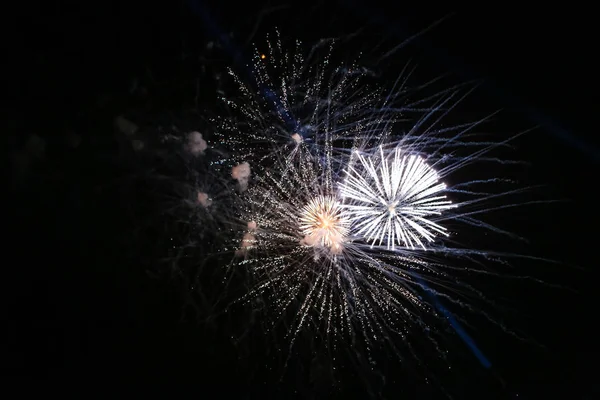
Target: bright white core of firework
point(393, 200)
point(323, 224)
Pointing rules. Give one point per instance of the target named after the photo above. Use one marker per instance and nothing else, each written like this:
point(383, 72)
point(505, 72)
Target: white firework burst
point(391, 198)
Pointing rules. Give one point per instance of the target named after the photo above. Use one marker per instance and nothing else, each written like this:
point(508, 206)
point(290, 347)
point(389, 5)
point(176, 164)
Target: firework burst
point(349, 227)
point(323, 223)
point(392, 199)
point(341, 201)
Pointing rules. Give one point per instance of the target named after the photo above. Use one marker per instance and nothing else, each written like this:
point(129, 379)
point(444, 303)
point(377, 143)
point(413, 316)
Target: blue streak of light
point(457, 326)
point(212, 28)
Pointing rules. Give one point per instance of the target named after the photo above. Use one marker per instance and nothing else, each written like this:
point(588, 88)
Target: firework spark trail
point(302, 102)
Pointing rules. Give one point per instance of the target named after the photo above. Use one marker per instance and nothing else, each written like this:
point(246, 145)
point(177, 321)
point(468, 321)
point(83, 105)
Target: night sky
point(87, 305)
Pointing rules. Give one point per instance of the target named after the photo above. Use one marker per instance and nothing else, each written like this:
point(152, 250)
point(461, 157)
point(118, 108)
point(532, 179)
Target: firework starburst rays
point(324, 224)
point(392, 198)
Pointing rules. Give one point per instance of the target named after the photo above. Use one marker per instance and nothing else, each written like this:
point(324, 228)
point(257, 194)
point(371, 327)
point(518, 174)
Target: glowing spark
point(204, 199)
point(196, 144)
point(323, 223)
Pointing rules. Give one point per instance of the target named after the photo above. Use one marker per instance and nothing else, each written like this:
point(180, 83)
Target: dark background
point(82, 311)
